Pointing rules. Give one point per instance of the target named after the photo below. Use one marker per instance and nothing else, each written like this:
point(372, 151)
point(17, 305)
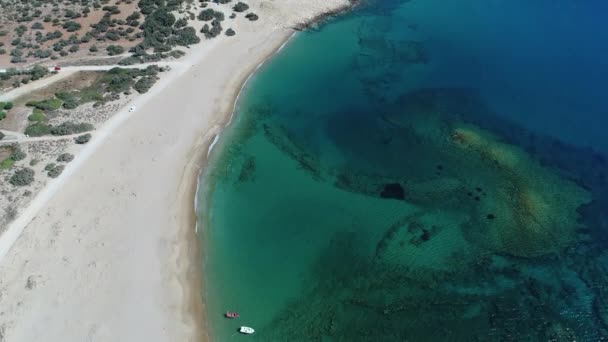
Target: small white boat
point(246, 330)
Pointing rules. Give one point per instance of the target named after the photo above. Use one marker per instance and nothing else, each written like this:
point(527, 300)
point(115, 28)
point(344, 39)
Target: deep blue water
point(418, 170)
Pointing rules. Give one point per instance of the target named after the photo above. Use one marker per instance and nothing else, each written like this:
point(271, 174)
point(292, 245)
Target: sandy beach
point(108, 251)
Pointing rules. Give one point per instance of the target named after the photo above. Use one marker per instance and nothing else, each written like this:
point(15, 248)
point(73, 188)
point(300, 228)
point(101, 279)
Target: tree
point(230, 32)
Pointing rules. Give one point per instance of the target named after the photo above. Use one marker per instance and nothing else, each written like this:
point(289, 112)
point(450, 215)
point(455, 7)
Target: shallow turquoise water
point(423, 171)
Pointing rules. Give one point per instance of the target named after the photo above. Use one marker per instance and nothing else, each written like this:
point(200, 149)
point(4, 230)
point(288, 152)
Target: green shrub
point(49, 166)
point(2, 115)
point(83, 139)
point(206, 14)
point(230, 32)
point(37, 129)
point(8, 106)
point(22, 177)
point(65, 158)
point(252, 16)
point(144, 84)
point(37, 116)
point(69, 100)
point(71, 26)
point(68, 128)
point(56, 171)
point(18, 154)
point(240, 7)
point(6, 164)
point(114, 50)
point(48, 104)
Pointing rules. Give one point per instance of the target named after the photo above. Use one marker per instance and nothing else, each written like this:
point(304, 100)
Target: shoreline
point(196, 283)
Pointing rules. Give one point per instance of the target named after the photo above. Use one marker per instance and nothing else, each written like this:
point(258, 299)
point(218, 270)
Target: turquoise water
point(418, 170)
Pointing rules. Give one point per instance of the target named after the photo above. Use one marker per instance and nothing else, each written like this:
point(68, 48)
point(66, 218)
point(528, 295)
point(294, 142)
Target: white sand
point(107, 251)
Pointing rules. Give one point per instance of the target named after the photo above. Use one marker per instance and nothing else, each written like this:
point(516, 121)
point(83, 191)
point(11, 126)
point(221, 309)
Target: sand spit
point(108, 251)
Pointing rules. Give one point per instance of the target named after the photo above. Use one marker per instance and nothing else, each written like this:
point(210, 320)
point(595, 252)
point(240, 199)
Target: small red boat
point(232, 314)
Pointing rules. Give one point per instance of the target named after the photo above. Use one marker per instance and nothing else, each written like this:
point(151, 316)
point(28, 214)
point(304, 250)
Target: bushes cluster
point(69, 100)
point(39, 129)
point(144, 84)
point(55, 170)
point(240, 7)
point(119, 80)
point(69, 127)
point(65, 158)
point(214, 31)
point(161, 31)
point(17, 154)
point(252, 16)
point(48, 104)
point(114, 50)
point(37, 116)
point(22, 177)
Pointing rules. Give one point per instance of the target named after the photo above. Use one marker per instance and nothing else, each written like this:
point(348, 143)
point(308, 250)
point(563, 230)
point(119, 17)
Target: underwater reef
point(497, 244)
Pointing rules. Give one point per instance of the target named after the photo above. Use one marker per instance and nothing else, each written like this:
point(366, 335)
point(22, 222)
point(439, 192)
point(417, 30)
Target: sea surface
point(424, 170)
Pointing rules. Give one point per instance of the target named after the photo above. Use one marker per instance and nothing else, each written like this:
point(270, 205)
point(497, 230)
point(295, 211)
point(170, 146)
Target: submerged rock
point(394, 191)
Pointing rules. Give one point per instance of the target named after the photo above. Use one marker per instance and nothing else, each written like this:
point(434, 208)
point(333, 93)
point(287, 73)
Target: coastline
point(193, 284)
point(88, 241)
